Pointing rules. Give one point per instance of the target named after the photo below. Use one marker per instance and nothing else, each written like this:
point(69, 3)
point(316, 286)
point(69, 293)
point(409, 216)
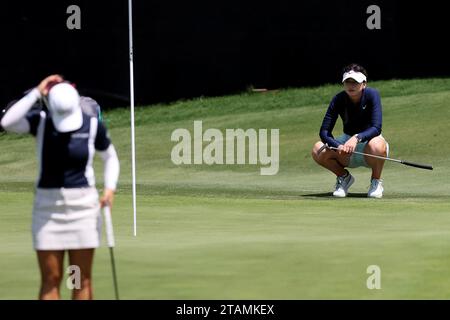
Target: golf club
point(407, 163)
point(110, 241)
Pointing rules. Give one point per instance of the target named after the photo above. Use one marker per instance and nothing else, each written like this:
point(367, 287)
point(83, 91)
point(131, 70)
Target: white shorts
point(357, 160)
point(65, 219)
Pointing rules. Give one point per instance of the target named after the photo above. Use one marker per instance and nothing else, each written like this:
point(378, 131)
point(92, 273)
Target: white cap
point(357, 76)
point(64, 106)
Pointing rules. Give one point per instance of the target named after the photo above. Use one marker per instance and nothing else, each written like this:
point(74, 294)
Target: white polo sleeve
point(111, 167)
point(14, 119)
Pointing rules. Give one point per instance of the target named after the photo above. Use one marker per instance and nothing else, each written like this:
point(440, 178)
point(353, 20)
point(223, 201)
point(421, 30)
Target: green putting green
point(227, 232)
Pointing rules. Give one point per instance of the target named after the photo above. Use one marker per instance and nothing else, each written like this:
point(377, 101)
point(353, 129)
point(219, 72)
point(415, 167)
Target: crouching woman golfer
point(66, 210)
point(360, 110)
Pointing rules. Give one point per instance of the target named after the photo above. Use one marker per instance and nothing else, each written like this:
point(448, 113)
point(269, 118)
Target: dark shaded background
point(186, 49)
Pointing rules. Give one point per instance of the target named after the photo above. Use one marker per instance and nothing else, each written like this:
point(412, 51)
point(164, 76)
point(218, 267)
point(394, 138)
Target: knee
point(315, 151)
point(52, 280)
point(377, 146)
point(86, 282)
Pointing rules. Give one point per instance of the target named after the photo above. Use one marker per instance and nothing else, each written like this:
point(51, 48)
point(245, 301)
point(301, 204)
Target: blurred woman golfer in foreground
point(360, 110)
point(66, 211)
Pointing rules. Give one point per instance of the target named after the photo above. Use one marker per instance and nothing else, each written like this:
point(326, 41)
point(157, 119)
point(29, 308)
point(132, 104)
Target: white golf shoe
point(376, 189)
point(342, 185)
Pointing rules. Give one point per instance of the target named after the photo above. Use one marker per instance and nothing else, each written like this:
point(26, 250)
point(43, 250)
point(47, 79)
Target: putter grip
point(417, 165)
point(108, 226)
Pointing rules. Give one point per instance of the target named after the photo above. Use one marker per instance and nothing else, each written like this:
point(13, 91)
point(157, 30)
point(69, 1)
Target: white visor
point(357, 76)
point(64, 107)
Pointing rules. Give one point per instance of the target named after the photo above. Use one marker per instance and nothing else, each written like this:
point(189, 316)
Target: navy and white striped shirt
point(66, 159)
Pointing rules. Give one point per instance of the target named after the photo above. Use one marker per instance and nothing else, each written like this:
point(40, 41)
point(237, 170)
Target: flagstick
point(133, 155)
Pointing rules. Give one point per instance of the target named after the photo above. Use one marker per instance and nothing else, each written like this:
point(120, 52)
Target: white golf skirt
point(65, 219)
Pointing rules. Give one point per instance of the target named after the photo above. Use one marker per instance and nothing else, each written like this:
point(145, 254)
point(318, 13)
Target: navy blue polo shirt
point(66, 158)
point(364, 119)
